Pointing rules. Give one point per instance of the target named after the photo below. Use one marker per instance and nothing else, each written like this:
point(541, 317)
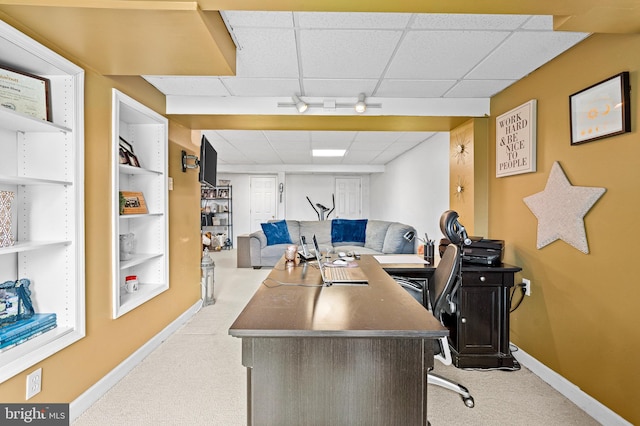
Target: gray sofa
point(380, 237)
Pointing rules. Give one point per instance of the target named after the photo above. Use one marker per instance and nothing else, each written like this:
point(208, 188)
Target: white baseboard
point(91, 395)
point(590, 405)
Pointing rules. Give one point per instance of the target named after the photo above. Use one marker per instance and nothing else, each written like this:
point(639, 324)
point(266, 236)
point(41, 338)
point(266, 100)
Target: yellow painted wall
point(70, 372)
point(468, 175)
point(581, 319)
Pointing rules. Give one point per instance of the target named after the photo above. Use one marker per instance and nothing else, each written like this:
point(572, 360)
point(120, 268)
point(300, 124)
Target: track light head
point(360, 106)
point(301, 106)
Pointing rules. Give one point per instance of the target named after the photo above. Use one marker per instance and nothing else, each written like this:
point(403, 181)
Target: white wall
point(414, 189)
point(318, 187)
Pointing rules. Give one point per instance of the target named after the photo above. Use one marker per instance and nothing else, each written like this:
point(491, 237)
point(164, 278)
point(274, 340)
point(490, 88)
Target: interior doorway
point(263, 200)
point(348, 198)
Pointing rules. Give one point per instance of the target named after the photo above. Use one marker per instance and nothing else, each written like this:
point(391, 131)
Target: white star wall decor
point(561, 208)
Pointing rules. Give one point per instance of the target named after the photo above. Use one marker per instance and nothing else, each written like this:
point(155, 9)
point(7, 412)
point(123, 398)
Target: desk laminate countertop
point(292, 303)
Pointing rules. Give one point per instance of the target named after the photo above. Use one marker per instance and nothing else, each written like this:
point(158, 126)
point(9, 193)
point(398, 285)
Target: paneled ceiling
point(424, 66)
point(405, 64)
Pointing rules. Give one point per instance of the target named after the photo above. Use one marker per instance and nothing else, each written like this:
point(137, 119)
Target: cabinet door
point(479, 325)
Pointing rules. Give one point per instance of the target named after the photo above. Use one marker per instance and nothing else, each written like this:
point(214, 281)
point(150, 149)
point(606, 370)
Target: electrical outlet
point(34, 383)
point(527, 286)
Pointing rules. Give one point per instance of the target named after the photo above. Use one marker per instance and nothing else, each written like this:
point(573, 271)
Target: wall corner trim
point(95, 392)
point(587, 403)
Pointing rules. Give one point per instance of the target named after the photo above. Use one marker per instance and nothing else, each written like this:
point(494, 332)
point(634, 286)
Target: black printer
point(481, 251)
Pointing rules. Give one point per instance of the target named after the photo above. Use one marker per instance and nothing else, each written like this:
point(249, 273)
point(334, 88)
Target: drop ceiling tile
point(390, 88)
point(467, 22)
point(425, 55)
point(266, 53)
point(346, 53)
point(524, 52)
point(294, 156)
point(383, 158)
point(187, 85)
point(266, 157)
point(352, 20)
point(288, 135)
point(238, 19)
point(375, 137)
point(241, 135)
point(328, 136)
point(360, 156)
point(539, 22)
point(262, 86)
point(284, 145)
point(478, 88)
point(338, 87)
point(417, 137)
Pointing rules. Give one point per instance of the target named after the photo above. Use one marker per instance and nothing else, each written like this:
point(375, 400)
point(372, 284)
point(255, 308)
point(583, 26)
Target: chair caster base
point(469, 402)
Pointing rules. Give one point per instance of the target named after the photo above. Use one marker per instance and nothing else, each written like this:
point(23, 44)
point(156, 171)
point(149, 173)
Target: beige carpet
point(196, 378)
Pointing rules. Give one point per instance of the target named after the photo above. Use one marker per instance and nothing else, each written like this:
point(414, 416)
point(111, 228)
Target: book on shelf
point(20, 331)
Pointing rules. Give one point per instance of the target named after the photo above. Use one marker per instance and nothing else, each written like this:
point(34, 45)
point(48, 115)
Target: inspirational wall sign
point(516, 140)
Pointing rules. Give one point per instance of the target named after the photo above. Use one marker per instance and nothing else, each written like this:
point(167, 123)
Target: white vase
point(6, 236)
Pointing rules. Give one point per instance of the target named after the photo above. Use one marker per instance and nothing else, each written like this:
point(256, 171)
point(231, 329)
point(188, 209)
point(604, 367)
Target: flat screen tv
point(208, 162)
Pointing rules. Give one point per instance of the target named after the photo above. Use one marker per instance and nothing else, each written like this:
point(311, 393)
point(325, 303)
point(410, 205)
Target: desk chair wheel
point(469, 402)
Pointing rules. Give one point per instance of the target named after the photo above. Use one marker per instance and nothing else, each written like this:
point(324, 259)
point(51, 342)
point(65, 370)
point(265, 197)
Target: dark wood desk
point(479, 335)
point(347, 355)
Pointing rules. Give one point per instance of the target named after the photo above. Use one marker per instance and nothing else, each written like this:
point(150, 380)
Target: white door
point(263, 201)
point(348, 198)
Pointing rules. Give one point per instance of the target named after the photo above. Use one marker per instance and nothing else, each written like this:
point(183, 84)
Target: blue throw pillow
point(276, 232)
point(348, 232)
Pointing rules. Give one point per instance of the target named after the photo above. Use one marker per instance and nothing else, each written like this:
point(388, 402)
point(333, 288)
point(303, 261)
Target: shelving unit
point(217, 212)
point(42, 163)
point(147, 132)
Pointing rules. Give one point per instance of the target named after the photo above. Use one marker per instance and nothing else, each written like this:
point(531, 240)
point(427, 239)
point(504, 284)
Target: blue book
point(21, 327)
point(23, 338)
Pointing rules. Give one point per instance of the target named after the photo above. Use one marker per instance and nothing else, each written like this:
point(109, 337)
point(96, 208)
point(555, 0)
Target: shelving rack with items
point(217, 214)
point(141, 223)
point(42, 168)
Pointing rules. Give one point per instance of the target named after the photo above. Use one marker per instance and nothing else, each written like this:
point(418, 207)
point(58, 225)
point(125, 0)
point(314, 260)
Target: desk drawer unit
point(480, 329)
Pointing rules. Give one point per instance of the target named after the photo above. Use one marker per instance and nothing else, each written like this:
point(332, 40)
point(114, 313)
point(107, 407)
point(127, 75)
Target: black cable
point(513, 294)
point(283, 284)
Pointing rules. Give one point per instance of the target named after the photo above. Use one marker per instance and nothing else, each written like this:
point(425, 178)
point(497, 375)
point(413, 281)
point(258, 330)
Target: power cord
point(522, 286)
point(283, 284)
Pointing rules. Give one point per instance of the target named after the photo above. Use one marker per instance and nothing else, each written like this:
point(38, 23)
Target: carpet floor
point(195, 377)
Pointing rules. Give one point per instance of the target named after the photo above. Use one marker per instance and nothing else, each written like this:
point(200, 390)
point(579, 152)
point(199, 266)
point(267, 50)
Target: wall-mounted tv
point(208, 162)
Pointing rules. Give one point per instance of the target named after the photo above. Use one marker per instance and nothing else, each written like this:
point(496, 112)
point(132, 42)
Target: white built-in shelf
point(21, 246)
point(16, 122)
point(147, 133)
point(22, 180)
point(130, 170)
point(42, 163)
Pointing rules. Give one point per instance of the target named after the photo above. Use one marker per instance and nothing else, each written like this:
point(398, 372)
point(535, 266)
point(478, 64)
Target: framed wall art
point(133, 203)
point(516, 140)
point(601, 110)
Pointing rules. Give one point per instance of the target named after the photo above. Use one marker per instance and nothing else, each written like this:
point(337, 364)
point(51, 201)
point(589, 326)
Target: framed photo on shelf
point(126, 151)
point(133, 203)
point(601, 110)
point(25, 93)
point(223, 193)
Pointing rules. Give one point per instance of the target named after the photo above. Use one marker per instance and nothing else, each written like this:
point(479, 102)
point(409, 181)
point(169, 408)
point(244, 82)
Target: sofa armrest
point(257, 241)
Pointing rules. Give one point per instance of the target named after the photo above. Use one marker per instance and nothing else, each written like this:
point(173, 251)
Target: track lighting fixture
point(360, 106)
point(301, 106)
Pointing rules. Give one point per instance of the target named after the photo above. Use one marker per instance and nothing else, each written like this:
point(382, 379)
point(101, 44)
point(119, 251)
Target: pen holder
point(429, 252)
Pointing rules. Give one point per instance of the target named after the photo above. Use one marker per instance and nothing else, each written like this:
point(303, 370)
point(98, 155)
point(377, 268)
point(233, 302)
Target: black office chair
point(440, 297)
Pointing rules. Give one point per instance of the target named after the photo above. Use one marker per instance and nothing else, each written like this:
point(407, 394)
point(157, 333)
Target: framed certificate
point(24, 93)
